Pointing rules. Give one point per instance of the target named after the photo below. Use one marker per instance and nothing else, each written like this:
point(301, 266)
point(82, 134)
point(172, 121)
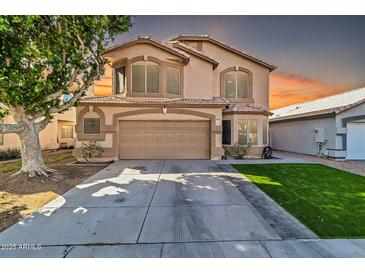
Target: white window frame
point(235, 74)
point(145, 77)
point(247, 133)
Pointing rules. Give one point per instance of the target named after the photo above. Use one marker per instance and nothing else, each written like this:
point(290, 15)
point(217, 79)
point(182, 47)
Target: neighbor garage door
point(164, 139)
point(356, 141)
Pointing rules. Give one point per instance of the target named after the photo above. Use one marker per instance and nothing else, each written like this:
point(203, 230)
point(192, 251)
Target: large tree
point(41, 59)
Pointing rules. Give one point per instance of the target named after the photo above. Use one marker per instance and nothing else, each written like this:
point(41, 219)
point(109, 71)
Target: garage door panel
point(164, 139)
point(356, 141)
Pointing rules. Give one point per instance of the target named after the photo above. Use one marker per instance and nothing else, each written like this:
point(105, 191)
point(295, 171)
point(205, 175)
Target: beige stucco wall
point(50, 137)
point(228, 59)
point(140, 50)
point(199, 78)
point(109, 140)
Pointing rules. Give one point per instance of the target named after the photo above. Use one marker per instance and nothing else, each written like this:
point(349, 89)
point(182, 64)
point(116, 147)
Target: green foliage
point(90, 150)
point(329, 201)
point(9, 154)
point(41, 55)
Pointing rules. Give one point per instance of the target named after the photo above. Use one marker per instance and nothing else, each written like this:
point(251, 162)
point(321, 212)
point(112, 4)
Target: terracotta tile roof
point(193, 51)
point(149, 40)
point(246, 108)
point(327, 105)
point(151, 101)
point(205, 37)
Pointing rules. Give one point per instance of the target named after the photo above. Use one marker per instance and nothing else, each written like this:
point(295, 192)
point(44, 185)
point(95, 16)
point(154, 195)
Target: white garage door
point(355, 141)
point(164, 139)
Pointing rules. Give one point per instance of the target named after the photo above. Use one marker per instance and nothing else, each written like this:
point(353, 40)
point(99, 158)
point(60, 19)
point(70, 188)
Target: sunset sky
point(316, 55)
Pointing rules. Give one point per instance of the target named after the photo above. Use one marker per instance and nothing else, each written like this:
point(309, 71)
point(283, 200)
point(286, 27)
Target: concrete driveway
point(149, 208)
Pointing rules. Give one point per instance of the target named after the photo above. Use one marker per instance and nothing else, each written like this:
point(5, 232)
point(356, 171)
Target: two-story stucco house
point(186, 98)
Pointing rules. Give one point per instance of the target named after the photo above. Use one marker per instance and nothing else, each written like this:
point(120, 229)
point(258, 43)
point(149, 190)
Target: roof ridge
point(227, 46)
point(146, 38)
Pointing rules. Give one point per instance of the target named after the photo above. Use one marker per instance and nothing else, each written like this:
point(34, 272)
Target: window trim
point(249, 98)
point(83, 125)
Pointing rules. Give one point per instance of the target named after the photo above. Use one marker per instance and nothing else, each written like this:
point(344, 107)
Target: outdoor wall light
point(164, 109)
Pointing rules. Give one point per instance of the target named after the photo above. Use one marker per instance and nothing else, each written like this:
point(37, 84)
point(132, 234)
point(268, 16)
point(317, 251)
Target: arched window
point(236, 85)
point(145, 77)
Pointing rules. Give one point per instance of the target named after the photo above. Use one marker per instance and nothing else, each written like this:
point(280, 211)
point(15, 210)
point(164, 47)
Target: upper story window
point(145, 77)
point(236, 85)
point(120, 83)
point(172, 80)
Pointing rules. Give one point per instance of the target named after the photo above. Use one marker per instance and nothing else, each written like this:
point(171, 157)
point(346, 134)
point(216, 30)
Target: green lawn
point(15, 166)
point(329, 201)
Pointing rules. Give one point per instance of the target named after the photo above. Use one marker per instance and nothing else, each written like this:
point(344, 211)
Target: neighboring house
point(187, 98)
point(333, 126)
point(57, 134)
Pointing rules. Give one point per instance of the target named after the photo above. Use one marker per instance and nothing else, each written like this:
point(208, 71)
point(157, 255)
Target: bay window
point(247, 132)
point(264, 133)
point(120, 83)
point(145, 77)
point(172, 80)
point(226, 132)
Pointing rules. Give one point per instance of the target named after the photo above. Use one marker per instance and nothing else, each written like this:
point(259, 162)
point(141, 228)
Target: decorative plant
point(240, 149)
point(43, 58)
point(91, 150)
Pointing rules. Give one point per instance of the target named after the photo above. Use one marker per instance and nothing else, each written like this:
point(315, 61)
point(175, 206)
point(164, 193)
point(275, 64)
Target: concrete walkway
point(166, 209)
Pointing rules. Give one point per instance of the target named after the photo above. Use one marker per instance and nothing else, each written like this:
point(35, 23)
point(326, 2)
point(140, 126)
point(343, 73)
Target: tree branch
point(76, 96)
point(42, 124)
point(5, 107)
point(11, 128)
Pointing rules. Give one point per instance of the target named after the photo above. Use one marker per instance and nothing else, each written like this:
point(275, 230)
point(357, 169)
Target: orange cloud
point(287, 89)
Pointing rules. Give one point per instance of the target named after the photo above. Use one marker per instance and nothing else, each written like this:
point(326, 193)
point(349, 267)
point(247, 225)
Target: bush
point(9, 154)
point(90, 150)
point(240, 150)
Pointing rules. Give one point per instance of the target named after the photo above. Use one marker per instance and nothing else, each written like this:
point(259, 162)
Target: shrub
point(90, 150)
point(9, 154)
point(240, 150)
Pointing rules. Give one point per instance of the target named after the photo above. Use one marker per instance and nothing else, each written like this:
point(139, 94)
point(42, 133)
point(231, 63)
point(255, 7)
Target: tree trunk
point(32, 159)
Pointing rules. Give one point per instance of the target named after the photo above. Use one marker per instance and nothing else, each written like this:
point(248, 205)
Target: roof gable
point(193, 51)
point(151, 41)
point(184, 37)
